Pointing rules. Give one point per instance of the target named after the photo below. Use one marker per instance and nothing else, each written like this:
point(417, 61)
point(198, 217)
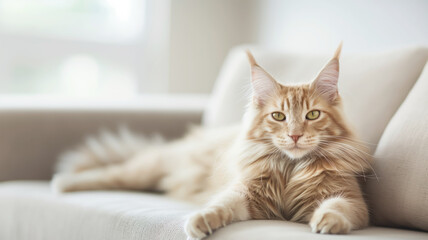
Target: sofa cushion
point(372, 85)
point(399, 197)
point(30, 211)
point(281, 230)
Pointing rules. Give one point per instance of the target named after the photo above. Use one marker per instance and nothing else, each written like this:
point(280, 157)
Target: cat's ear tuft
point(326, 81)
point(263, 84)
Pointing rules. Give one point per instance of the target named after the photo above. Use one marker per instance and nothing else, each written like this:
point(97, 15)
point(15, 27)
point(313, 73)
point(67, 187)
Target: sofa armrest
point(32, 137)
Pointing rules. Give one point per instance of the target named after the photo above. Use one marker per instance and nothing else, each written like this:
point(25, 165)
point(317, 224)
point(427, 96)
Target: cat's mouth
point(298, 146)
point(298, 151)
point(294, 150)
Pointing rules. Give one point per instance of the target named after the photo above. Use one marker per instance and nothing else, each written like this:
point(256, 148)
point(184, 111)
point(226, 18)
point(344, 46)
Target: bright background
point(123, 49)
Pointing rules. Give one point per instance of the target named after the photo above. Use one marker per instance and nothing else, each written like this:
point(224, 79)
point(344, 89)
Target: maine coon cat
point(293, 158)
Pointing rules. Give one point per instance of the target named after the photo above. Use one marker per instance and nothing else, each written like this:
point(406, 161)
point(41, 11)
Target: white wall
point(363, 25)
point(203, 31)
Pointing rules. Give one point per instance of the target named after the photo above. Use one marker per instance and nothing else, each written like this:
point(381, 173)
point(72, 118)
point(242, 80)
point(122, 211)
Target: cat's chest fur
point(286, 194)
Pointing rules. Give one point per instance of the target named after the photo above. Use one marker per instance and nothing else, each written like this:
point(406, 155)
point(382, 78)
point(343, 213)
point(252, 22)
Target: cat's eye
point(312, 115)
point(278, 116)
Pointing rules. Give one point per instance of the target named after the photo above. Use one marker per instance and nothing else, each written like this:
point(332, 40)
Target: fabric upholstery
point(282, 230)
point(30, 211)
point(31, 140)
point(399, 197)
point(372, 85)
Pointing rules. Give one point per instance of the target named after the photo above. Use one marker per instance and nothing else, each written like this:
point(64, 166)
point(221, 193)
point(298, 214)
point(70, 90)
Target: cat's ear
point(263, 84)
point(326, 81)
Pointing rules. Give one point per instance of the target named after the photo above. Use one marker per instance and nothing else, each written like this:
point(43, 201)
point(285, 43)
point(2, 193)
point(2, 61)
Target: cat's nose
point(295, 137)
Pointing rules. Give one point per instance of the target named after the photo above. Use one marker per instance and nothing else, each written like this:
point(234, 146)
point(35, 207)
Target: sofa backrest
point(398, 197)
point(32, 138)
point(372, 85)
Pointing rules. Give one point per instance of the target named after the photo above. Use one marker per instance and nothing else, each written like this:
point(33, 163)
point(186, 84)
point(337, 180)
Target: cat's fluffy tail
point(104, 149)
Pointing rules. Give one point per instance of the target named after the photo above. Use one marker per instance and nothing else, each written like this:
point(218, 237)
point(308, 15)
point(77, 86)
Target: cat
point(293, 157)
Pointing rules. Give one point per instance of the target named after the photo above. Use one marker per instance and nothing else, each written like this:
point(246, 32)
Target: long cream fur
point(294, 169)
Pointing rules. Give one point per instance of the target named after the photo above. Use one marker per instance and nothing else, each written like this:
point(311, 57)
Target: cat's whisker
point(351, 139)
point(332, 143)
point(348, 147)
point(357, 152)
point(346, 141)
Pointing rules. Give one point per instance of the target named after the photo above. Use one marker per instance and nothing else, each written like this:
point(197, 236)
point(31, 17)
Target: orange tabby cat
point(293, 158)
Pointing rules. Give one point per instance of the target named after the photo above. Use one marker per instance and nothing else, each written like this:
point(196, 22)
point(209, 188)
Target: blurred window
point(71, 47)
point(97, 20)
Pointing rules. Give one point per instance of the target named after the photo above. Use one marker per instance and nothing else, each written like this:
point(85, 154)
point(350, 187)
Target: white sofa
point(373, 85)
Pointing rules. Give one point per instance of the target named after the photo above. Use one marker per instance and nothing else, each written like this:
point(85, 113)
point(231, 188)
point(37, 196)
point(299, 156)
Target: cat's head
point(296, 119)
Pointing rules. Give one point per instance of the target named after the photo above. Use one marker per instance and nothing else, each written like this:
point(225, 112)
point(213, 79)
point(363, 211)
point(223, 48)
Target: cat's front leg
point(230, 206)
point(339, 215)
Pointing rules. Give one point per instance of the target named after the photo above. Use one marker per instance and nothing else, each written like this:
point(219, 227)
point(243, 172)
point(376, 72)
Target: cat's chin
point(297, 153)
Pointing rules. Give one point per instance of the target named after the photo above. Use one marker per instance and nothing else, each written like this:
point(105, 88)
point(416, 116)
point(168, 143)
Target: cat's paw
point(61, 183)
point(202, 224)
point(329, 222)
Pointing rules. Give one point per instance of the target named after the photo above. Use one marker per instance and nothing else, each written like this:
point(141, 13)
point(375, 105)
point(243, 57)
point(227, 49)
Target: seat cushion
point(372, 85)
point(30, 211)
point(399, 197)
point(280, 230)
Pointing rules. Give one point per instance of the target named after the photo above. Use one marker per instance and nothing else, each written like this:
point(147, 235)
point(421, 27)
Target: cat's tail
point(105, 149)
